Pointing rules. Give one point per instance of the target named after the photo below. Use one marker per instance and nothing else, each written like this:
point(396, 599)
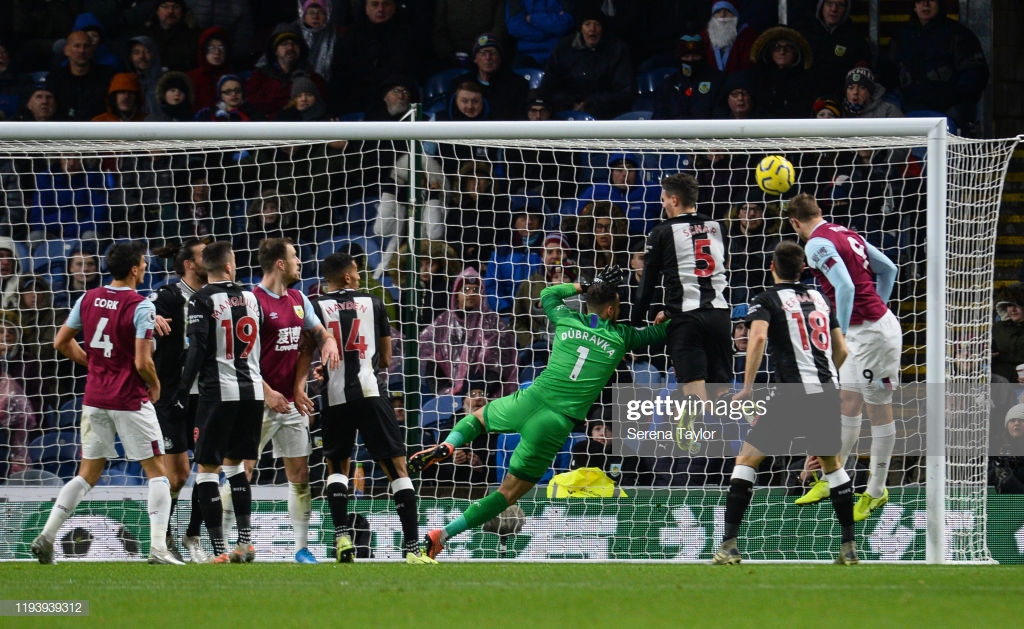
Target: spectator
point(174, 92)
point(17, 416)
point(512, 262)
point(81, 86)
point(233, 16)
point(783, 59)
point(71, 202)
point(596, 450)
point(728, 43)
point(174, 34)
point(306, 105)
point(504, 90)
point(457, 24)
point(437, 265)
point(194, 214)
point(472, 463)
point(87, 23)
point(320, 34)
point(1006, 469)
point(826, 108)
point(12, 84)
point(270, 86)
point(82, 273)
point(10, 274)
point(939, 64)
point(467, 342)
point(836, 44)
point(739, 97)
point(536, 26)
point(230, 105)
point(39, 24)
point(656, 354)
point(590, 71)
point(720, 176)
point(533, 329)
point(395, 96)
point(124, 100)
point(393, 210)
point(378, 47)
point(466, 104)
point(753, 235)
point(143, 59)
point(1008, 332)
point(213, 63)
point(545, 172)
point(474, 222)
point(693, 92)
point(39, 327)
point(864, 97)
point(40, 105)
point(603, 238)
point(627, 188)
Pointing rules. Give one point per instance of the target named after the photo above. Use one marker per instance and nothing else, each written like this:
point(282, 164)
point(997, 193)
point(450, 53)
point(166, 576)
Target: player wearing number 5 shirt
point(858, 279)
point(224, 353)
point(687, 253)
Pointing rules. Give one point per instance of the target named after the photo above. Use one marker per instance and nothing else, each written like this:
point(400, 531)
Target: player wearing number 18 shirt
point(796, 324)
point(858, 279)
point(362, 331)
point(224, 353)
point(586, 350)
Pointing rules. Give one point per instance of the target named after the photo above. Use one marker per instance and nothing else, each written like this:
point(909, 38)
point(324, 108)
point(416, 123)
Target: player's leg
point(841, 495)
point(465, 431)
point(244, 444)
point(292, 446)
point(213, 423)
point(741, 490)
point(338, 427)
point(178, 468)
point(175, 426)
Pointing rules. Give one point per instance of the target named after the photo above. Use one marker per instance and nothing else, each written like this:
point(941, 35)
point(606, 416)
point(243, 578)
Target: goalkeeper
point(587, 349)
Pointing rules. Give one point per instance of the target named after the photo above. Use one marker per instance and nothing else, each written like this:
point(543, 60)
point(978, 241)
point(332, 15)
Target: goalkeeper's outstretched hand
point(611, 274)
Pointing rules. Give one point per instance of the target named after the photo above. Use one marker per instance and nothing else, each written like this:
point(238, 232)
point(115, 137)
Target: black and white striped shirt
point(171, 302)
point(359, 324)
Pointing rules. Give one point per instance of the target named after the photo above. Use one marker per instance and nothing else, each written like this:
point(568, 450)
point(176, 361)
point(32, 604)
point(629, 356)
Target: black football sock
point(405, 507)
point(241, 498)
point(842, 502)
point(195, 518)
point(209, 500)
point(736, 503)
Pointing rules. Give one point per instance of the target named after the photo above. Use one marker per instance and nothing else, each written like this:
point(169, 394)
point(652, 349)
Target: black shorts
point(177, 425)
point(375, 420)
point(227, 430)
point(799, 424)
point(700, 346)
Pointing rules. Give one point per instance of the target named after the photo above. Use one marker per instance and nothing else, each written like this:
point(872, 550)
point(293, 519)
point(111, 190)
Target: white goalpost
point(419, 203)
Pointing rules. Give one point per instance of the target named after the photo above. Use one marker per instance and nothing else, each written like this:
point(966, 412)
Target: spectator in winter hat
point(124, 100)
point(504, 90)
point(863, 97)
point(727, 42)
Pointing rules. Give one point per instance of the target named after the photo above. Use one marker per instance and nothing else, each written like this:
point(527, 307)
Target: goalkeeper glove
point(611, 274)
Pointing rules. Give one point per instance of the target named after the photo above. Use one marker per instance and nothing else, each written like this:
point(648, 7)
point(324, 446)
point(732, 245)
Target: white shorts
point(139, 432)
point(872, 367)
point(289, 432)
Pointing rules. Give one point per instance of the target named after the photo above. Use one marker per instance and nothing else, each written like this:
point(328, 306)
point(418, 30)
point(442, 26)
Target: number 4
point(101, 340)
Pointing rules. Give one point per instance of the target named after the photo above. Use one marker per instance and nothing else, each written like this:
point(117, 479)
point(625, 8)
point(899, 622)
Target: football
point(775, 174)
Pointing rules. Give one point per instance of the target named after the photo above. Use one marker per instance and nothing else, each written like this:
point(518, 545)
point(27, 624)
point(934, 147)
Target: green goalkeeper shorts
point(543, 432)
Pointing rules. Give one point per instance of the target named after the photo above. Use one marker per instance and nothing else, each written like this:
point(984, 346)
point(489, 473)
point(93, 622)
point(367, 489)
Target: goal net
point(458, 227)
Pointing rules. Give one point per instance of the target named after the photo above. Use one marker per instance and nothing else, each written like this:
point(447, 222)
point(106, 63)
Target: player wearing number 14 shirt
point(586, 350)
point(858, 279)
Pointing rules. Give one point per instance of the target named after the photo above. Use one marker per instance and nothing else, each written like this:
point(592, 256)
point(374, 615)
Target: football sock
point(465, 431)
point(741, 490)
point(68, 498)
point(883, 440)
point(208, 492)
point(174, 503)
point(841, 496)
point(227, 511)
point(850, 434)
point(195, 517)
point(300, 503)
point(241, 498)
point(405, 507)
point(479, 512)
point(159, 506)
point(337, 501)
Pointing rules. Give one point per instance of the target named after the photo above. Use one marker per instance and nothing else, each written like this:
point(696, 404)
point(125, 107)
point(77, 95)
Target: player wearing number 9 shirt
point(585, 352)
point(224, 352)
point(858, 279)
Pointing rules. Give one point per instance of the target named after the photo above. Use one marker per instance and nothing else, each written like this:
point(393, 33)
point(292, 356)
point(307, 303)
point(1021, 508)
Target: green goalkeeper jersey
point(585, 353)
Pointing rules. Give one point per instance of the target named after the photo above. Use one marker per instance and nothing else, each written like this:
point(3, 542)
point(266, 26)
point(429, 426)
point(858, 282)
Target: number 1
point(578, 367)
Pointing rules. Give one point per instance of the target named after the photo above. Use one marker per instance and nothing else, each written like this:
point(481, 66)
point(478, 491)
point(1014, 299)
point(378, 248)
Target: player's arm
point(65, 342)
point(324, 340)
point(822, 255)
point(757, 340)
point(382, 329)
point(552, 300)
point(145, 324)
point(199, 321)
point(303, 404)
point(839, 351)
point(636, 338)
point(648, 279)
point(884, 269)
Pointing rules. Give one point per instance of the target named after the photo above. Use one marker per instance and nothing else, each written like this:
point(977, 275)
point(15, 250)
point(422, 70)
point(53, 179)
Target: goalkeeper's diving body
point(587, 348)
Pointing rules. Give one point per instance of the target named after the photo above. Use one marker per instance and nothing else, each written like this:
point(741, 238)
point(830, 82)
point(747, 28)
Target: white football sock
point(70, 495)
point(883, 440)
point(228, 512)
point(159, 506)
point(850, 434)
point(300, 503)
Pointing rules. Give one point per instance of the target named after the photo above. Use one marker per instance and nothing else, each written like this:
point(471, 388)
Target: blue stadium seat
point(533, 75)
point(438, 86)
point(640, 114)
point(356, 116)
point(358, 218)
point(440, 411)
point(56, 452)
point(368, 245)
point(119, 476)
point(573, 115)
point(68, 413)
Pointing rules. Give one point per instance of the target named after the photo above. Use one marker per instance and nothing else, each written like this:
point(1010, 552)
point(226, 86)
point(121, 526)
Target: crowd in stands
point(498, 226)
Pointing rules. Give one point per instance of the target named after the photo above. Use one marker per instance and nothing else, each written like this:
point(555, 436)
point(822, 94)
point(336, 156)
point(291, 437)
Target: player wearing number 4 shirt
point(360, 326)
point(796, 324)
point(687, 252)
point(587, 348)
point(858, 279)
point(224, 353)
point(120, 389)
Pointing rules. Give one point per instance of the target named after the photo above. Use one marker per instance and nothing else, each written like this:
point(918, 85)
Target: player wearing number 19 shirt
point(586, 350)
point(687, 251)
point(858, 279)
point(361, 329)
point(224, 353)
point(120, 388)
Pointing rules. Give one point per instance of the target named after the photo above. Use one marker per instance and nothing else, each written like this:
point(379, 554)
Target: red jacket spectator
point(270, 87)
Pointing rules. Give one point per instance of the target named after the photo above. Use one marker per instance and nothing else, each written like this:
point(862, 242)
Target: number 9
point(868, 375)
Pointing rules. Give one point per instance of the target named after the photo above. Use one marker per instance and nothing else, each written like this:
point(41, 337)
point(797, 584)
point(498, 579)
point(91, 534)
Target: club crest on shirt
point(704, 87)
point(840, 51)
point(298, 312)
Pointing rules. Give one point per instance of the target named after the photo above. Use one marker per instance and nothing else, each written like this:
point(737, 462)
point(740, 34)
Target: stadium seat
point(56, 452)
point(533, 75)
point(438, 86)
point(68, 413)
point(34, 478)
point(640, 114)
point(440, 411)
point(119, 476)
point(570, 114)
point(359, 217)
point(369, 247)
point(355, 116)
point(51, 255)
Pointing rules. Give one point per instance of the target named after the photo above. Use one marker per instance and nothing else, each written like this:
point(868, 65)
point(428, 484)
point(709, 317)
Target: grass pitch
point(584, 595)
